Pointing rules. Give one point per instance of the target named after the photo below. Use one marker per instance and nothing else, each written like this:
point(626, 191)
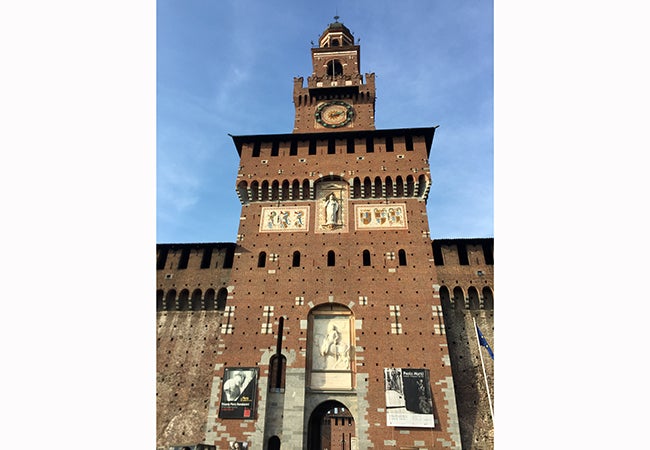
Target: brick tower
point(332, 334)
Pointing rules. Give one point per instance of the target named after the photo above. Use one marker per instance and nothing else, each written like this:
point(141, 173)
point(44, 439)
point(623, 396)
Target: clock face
point(334, 114)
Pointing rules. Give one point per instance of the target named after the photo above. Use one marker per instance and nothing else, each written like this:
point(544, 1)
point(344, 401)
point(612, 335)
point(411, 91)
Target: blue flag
point(484, 342)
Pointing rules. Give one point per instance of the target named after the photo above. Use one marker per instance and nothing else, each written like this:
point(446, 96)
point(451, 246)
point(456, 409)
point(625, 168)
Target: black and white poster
point(238, 393)
point(408, 398)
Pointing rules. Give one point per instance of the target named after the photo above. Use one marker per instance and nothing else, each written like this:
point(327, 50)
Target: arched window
point(334, 68)
point(378, 192)
point(261, 259)
point(445, 300)
point(389, 187)
point(295, 262)
point(285, 190)
point(422, 185)
point(159, 300)
point(356, 190)
point(208, 300)
point(184, 300)
point(170, 300)
point(331, 258)
point(306, 194)
point(472, 297)
point(242, 189)
point(196, 300)
point(488, 299)
point(401, 255)
point(366, 257)
point(459, 298)
point(367, 188)
point(274, 443)
point(295, 190)
point(275, 190)
point(277, 373)
point(410, 186)
point(222, 296)
point(399, 186)
point(255, 191)
point(265, 190)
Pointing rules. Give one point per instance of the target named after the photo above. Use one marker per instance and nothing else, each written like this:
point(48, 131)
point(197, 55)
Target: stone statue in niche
point(332, 211)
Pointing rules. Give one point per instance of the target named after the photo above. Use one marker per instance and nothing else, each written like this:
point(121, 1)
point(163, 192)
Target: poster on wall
point(409, 402)
point(238, 393)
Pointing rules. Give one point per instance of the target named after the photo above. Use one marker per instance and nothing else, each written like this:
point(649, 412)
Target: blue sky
point(228, 67)
point(90, 185)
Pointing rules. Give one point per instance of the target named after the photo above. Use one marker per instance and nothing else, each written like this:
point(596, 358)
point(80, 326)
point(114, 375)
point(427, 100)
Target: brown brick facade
point(333, 247)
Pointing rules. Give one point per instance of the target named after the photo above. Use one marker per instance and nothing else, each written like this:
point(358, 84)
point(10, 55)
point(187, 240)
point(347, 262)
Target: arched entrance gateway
point(331, 427)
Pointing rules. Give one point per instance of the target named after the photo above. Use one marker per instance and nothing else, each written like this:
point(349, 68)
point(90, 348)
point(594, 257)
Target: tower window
point(256, 150)
point(366, 257)
point(334, 68)
point(261, 259)
point(402, 257)
point(293, 150)
point(296, 259)
point(312, 147)
point(275, 149)
point(331, 258)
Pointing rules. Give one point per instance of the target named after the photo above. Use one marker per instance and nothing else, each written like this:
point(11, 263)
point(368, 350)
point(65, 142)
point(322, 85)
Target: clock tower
point(336, 97)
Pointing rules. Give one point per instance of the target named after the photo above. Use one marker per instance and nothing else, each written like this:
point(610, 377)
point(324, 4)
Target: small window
point(293, 150)
point(366, 257)
point(402, 257)
point(312, 146)
point(331, 257)
point(275, 149)
point(256, 150)
point(261, 259)
point(296, 259)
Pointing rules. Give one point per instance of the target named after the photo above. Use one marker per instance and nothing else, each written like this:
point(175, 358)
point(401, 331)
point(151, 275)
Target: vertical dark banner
point(238, 393)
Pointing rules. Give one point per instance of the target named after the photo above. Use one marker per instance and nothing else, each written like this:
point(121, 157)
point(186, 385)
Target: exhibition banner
point(409, 402)
point(238, 393)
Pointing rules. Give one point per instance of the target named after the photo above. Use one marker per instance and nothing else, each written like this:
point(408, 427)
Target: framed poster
point(238, 393)
point(409, 402)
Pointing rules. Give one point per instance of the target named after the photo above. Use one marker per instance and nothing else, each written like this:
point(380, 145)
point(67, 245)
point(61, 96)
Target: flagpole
point(483, 366)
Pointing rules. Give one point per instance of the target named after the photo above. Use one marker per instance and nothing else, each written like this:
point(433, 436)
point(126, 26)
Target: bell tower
point(336, 97)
